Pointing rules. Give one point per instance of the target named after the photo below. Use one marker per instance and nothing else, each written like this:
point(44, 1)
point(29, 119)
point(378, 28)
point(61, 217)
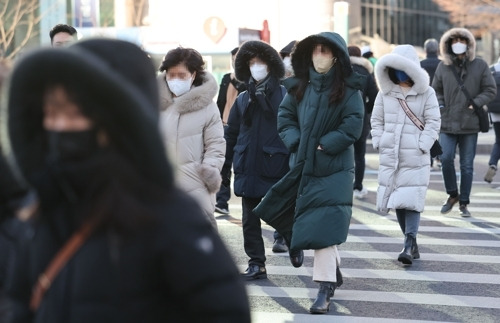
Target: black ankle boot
point(414, 250)
point(405, 256)
point(340, 279)
point(322, 303)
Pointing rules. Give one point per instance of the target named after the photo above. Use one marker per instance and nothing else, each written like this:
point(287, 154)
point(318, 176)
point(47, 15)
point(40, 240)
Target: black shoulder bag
point(436, 147)
point(482, 114)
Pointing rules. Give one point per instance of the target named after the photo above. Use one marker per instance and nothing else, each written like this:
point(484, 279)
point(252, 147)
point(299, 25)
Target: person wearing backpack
point(494, 110)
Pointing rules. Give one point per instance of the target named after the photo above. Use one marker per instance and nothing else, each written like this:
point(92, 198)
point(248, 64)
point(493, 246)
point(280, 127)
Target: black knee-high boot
point(322, 303)
point(406, 254)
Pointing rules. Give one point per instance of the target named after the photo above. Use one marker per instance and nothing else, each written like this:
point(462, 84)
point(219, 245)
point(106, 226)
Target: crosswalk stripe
point(395, 227)
point(408, 275)
point(393, 255)
point(266, 317)
point(375, 296)
point(426, 241)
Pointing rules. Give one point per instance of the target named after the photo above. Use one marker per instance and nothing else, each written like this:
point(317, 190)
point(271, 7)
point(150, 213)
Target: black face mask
point(72, 145)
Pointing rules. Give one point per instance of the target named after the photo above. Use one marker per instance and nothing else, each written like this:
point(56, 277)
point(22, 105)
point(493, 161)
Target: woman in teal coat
point(319, 120)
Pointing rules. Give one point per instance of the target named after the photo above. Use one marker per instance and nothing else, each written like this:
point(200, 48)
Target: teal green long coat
point(311, 205)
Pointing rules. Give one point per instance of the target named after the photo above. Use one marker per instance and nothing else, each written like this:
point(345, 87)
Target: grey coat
point(456, 117)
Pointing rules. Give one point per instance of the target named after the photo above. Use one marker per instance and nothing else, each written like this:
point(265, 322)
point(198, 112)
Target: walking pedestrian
point(191, 126)
point(229, 89)
point(319, 120)
point(459, 122)
point(405, 125)
point(115, 240)
point(494, 110)
point(369, 92)
point(286, 56)
point(62, 35)
point(254, 147)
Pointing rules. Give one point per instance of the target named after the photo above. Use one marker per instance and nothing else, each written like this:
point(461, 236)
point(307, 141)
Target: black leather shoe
point(296, 258)
point(254, 272)
point(322, 303)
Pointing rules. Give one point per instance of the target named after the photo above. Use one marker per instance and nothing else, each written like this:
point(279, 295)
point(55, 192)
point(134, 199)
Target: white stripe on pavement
point(426, 241)
point(393, 255)
point(423, 228)
point(383, 297)
point(391, 274)
point(266, 317)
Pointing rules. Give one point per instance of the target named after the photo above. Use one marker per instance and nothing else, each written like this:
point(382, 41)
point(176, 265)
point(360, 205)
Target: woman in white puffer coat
point(191, 126)
point(404, 149)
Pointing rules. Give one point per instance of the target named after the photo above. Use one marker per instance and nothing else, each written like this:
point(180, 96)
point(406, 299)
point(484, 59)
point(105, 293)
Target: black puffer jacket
point(153, 257)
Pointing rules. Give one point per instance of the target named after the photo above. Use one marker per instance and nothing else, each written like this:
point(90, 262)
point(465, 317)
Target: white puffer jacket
point(404, 149)
point(194, 138)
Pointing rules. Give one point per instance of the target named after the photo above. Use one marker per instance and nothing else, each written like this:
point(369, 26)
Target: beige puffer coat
point(192, 130)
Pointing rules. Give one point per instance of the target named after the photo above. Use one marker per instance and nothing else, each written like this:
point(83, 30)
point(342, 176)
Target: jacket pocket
point(325, 165)
point(239, 158)
point(275, 162)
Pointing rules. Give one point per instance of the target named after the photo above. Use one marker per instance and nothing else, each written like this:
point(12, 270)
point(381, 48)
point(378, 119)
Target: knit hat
point(116, 74)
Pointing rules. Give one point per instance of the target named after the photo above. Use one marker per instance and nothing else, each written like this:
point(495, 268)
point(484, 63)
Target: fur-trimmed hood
point(361, 61)
point(197, 98)
point(302, 55)
point(445, 45)
point(262, 50)
point(403, 58)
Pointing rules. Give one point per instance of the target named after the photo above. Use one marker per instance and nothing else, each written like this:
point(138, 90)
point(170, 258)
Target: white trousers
point(325, 264)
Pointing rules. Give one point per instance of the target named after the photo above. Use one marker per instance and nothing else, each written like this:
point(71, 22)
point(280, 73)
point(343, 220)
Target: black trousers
point(252, 232)
point(359, 154)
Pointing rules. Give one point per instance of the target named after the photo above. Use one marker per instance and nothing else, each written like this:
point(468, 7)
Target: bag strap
point(411, 115)
point(59, 261)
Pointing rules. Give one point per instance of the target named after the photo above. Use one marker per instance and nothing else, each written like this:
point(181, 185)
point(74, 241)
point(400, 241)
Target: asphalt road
point(457, 278)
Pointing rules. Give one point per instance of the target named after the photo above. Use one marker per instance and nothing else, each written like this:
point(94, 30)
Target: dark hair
point(338, 87)
point(354, 51)
point(234, 51)
point(392, 76)
point(189, 57)
point(368, 54)
point(62, 28)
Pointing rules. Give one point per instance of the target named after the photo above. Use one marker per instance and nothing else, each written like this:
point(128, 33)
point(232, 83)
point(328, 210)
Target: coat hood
point(302, 55)
point(445, 44)
point(361, 61)
point(197, 98)
point(262, 50)
point(118, 76)
point(403, 58)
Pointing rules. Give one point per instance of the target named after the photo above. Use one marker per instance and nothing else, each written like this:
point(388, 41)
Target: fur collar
point(445, 45)
point(361, 61)
point(403, 58)
point(196, 99)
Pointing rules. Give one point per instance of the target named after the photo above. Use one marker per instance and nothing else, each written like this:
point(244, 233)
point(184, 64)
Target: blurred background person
point(285, 54)
point(254, 148)
point(494, 110)
point(404, 148)
point(63, 35)
point(191, 126)
point(229, 89)
point(362, 66)
point(115, 240)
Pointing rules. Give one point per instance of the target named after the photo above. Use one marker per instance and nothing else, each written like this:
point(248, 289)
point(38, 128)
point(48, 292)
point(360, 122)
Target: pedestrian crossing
point(457, 278)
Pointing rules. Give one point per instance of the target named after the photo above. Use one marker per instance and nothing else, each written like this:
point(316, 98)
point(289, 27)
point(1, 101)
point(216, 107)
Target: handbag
point(436, 147)
point(481, 112)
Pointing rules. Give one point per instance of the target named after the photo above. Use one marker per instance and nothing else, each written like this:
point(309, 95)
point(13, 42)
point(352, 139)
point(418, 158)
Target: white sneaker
point(360, 194)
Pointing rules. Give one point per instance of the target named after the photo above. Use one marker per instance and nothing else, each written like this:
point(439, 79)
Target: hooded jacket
point(456, 117)
point(404, 167)
point(194, 137)
point(254, 148)
point(147, 261)
point(319, 184)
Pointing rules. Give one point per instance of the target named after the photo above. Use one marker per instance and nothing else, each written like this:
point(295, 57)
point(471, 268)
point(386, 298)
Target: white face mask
point(179, 86)
point(459, 48)
point(258, 71)
point(287, 61)
point(322, 64)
